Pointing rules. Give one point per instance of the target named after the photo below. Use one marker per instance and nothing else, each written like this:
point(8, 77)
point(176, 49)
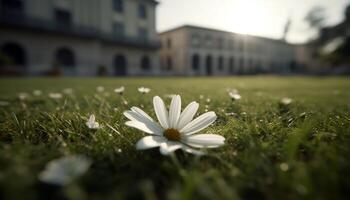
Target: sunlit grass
point(298, 151)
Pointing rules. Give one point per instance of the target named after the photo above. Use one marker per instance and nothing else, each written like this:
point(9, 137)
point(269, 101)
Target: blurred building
point(78, 37)
point(191, 50)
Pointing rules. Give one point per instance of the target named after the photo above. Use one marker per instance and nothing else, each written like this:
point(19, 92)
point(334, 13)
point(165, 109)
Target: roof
point(187, 26)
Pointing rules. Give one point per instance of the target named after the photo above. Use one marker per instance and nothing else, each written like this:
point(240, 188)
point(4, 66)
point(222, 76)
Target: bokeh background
point(167, 38)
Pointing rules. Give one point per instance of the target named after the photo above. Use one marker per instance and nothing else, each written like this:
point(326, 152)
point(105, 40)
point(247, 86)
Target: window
point(63, 18)
point(143, 34)
point(231, 65)
point(195, 62)
point(145, 63)
point(142, 11)
point(195, 40)
point(118, 29)
point(208, 41)
point(220, 63)
point(169, 63)
point(169, 43)
point(120, 65)
point(118, 5)
point(65, 58)
point(14, 53)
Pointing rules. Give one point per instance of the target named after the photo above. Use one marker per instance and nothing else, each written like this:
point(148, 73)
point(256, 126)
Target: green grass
point(298, 152)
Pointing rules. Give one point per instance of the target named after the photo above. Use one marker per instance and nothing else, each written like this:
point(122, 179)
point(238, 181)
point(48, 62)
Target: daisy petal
point(92, 118)
point(161, 112)
point(204, 140)
point(168, 147)
point(199, 123)
point(187, 114)
point(149, 142)
point(141, 112)
point(174, 111)
point(145, 127)
point(139, 116)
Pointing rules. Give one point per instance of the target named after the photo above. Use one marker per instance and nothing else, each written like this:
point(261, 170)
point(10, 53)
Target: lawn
point(272, 151)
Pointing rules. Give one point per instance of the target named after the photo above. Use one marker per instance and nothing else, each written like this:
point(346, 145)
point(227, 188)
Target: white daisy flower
point(176, 129)
point(64, 170)
point(4, 103)
point(100, 89)
point(37, 92)
point(23, 96)
point(286, 101)
point(119, 90)
point(91, 123)
point(234, 96)
point(55, 95)
point(233, 93)
point(143, 90)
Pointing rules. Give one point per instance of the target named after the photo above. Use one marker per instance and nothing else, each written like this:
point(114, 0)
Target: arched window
point(169, 63)
point(120, 65)
point(195, 62)
point(220, 63)
point(145, 63)
point(14, 54)
point(241, 66)
point(231, 65)
point(208, 65)
point(65, 58)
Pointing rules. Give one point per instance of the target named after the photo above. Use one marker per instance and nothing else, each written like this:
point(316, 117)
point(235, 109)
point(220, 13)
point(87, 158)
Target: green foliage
point(271, 152)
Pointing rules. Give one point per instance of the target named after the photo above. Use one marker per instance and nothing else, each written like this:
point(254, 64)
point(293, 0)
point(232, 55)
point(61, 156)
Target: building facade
point(78, 37)
point(191, 50)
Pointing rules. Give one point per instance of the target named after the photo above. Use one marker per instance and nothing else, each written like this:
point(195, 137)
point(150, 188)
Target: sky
point(265, 18)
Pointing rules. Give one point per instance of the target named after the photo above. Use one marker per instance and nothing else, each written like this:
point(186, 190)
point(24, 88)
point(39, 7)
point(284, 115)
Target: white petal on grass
point(161, 112)
point(169, 147)
point(199, 123)
point(174, 111)
point(204, 140)
point(145, 127)
point(64, 170)
point(119, 90)
point(91, 123)
point(149, 142)
point(187, 114)
point(142, 117)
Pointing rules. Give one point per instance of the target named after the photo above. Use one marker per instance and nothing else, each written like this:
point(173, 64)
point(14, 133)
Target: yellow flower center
point(172, 134)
